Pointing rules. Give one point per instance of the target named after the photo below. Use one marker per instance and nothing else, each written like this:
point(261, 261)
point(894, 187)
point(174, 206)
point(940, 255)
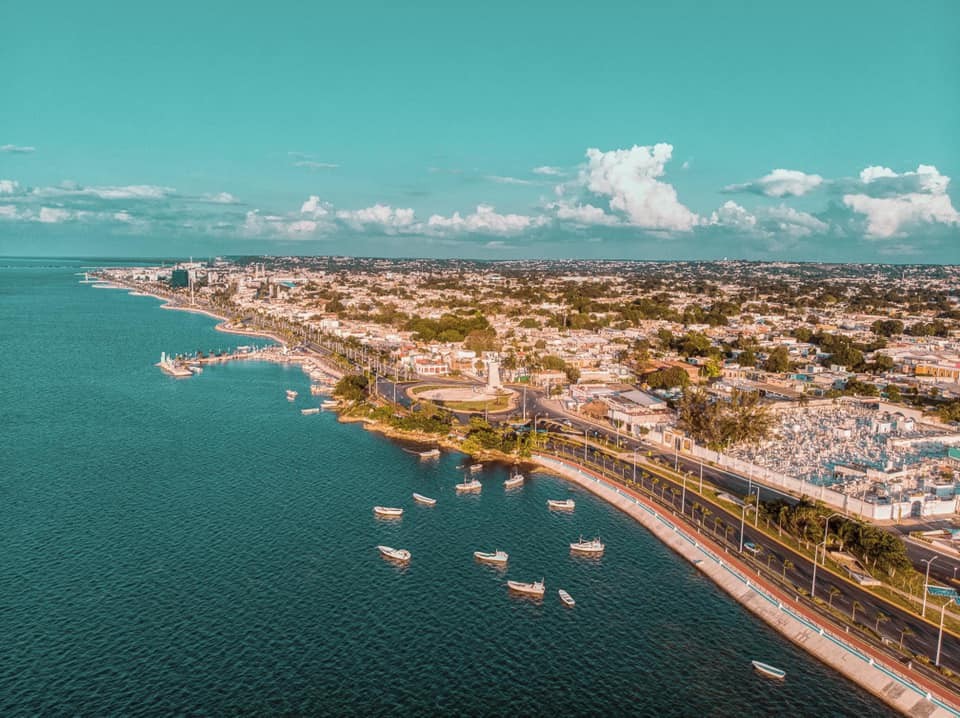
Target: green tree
point(778, 361)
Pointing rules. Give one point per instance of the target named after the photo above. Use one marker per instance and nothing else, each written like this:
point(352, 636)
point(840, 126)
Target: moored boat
point(388, 512)
point(394, 554)
point(768, 670)
point(476, 467)
point(590, 548)
point(310, 412)
point(330, 404)
point(470, 486)
point(498, 557)
point(566, 598)
point(564, 505)
point(527, 589)
point(516, 479)
point(430, 454)
point(425, 500)
point(291, 394)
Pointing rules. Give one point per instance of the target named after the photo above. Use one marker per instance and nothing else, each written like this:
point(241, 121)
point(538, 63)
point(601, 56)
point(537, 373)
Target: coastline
point(847, 655)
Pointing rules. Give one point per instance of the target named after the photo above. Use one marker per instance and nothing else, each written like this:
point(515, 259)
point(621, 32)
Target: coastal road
point(776, 560)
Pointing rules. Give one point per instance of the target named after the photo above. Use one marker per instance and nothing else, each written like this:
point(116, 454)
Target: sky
point(650, 130)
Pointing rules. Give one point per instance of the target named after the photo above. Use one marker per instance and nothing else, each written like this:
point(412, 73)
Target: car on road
point(751, 547)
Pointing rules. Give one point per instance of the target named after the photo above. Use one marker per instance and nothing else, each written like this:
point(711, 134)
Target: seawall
point(860, 663)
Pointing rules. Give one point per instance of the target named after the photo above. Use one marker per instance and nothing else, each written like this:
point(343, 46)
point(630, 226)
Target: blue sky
point(816, 130)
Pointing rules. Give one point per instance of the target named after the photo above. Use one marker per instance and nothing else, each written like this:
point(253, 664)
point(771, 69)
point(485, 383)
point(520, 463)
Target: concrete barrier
point(871, 672)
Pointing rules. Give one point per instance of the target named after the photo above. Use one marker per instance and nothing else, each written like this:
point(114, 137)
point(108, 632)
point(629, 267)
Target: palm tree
point(834, 592)
point(905, 631)
point(856, 606)
point(881, 618)
point(787, 566)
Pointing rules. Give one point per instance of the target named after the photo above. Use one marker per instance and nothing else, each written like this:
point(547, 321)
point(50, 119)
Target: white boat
point(195, 368)
point(291, 394)
point(330, 404)
point(565, 505)
point(388, 512)
point(430, 454)
point(567, 598)
point(528, 589)
point(516, 479)
point(470, 486)
point(425, 500)
point(499, 557)
point(310, 412)
point(476, 467)
point(769, 670)
point(590, 548)
point(394, 554)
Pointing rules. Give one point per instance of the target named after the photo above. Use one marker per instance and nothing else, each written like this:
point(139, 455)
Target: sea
point(198, 547)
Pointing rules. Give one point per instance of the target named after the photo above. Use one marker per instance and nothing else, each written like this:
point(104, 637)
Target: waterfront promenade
point(857, 661)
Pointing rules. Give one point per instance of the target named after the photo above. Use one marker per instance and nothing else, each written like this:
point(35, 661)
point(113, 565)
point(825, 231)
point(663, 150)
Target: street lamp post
point(635, 468)
point(816, 550)
point(584, 446)
point(940, 635)
point(743, 516)
point(926, 583)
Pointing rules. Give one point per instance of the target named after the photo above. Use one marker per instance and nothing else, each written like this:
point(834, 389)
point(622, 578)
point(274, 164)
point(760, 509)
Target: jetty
point(172, 367)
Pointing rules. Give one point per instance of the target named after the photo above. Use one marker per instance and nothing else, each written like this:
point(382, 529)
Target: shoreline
point(850, 657)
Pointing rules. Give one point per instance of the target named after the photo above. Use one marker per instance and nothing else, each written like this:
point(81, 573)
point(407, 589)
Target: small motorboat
point(388, 512)
point(588, 548)
point(330, 404)
point(564, 505)
point(516, 479)
point(470, 486)
point(291, 394)
point(425, 500)
point(768, 670)
point(527, 589)
point(499, 558)
point(310, 412)
point(430, 454)
point(474, 468)
point(394, 554)
point(567, 598)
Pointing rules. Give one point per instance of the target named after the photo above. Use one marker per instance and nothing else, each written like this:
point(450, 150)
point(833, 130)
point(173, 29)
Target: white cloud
point(730, 214)
point(792, 222)
point(139, 192)
point(904, 200)
point(314, 165)
point(315, 207)
point(548, 171)
point(508, 180)
point(381, 214)
point(9, 186)
point(221, 198)
point(780, 183)
point(582, 214)
point(485, 221)
point(630, 179)
point(498, 244)
point(8, 211)
point(17, 149)
point(52, 215)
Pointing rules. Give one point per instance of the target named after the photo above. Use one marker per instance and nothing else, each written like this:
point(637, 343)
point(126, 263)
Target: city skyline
point(740, 131)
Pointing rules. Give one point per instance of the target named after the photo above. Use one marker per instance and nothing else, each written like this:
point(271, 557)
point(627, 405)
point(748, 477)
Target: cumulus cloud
point(17, 149)
point(779, 183)
point(9, 186)
point(629, 180)
point(222, 198)
point(52, 215)
point(582, 214)
point(548, 171)
point(127, 192)
point(730, 214)
point(791, 222)
point(315, 207)
point(892, 202)
point(485, 220)
point(379, 214)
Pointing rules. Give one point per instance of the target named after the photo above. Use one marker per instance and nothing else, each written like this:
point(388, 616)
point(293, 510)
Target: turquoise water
point(198, 547)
